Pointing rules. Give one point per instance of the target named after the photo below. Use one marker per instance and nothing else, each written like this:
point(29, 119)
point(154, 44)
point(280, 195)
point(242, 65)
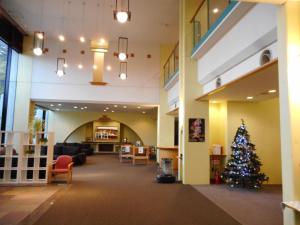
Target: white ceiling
point(154, 21)
point(92, 107)
point(256, 85)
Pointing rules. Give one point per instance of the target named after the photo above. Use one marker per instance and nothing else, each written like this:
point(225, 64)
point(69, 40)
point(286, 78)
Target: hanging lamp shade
point(123, 48)
point(38, 43)
point(60, 67)
point(121, 12)
point(123, 71)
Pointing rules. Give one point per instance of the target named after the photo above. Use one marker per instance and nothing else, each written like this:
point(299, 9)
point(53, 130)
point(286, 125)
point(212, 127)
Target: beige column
point(165, 123)
point(194, 167)
point(289, 83)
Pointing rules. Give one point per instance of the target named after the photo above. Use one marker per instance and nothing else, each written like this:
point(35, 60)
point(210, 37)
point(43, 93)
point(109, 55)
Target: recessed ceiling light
point(57, 109)
point(215, 10)
point(81, 108)
point(66, 65)
point(124, 106)
point(272, 91)
point(108, 68)
point(112, 111)
point(104, 110)
point(51, 105)
point(250, 97)
point(116, 106)
point(144, 112)
point(139, 107)
point(107, 108)
point(59, 104)
point(95, 67)
point(61, 37)
point(80, 66)
point(75, 107)
point(82, 39)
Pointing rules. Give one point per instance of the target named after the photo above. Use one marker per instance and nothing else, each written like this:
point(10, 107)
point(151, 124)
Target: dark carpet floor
point(106, 192)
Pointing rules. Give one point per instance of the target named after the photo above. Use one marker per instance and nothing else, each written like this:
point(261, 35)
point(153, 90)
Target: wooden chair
point(125, 152)
point(141, 154)
point(63, 165)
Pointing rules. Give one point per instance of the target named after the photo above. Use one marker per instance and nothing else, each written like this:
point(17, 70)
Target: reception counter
point(169, 152)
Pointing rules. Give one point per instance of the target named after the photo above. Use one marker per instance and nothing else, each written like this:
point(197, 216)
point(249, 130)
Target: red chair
point(63, 165)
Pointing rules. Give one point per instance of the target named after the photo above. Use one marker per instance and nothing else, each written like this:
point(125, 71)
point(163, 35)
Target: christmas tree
point(243, 168)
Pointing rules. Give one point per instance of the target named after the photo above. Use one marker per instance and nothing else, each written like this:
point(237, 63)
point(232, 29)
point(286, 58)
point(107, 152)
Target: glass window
point(3, 67)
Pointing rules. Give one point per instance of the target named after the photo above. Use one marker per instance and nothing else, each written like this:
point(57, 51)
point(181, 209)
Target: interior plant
point(36, 126)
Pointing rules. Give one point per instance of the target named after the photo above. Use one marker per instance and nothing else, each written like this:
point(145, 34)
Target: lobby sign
point(196, 130)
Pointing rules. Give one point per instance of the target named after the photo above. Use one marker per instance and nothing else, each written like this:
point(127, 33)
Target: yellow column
point(195, 162)
point(165, 123)
point(289, 82)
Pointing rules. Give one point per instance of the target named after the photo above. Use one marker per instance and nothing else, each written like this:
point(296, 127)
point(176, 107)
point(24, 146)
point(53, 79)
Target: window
point(8, 77)
point(3, 68)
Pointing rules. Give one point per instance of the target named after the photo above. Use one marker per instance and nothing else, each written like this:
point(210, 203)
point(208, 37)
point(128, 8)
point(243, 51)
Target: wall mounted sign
point(196, 130)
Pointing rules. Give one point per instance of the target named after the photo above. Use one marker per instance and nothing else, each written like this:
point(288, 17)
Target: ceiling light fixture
point(75, 107)
point(39, 36)
point(112, 111)
point(60, 67)
point(139, 107)
point(122, 48)
point(80, 66)
point(116, 106)
point(108, 68)
point(82, 39)
point(250, 97)
point(38, 43)
point(215, 10)
point(272, 91)
point(95, 67)
point(85, 107)
point(123, 70)
point(107, 108)
point(144, 112)
point(57, 109)
point(59, 104)
point(61, 37)
point(121, 12)
point(51, 105)
point(124, 106)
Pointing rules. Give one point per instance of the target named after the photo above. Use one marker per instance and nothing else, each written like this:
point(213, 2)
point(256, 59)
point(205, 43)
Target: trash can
point(165, 174)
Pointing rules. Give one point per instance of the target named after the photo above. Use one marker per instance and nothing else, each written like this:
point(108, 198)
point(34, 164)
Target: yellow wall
point(263, 124)
point(165, 125)
point(86, 131)
point(64, 123)
point(218, 125)
point(194, 168)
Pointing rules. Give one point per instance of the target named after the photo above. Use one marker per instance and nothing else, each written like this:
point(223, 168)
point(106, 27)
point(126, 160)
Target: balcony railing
point(172, 64)
point(208, 12)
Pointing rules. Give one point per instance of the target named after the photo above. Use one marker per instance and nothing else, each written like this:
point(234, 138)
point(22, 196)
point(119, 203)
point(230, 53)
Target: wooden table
point(169, 152)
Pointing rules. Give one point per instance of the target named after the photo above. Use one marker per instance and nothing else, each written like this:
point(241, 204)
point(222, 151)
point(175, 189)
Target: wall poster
point(196, 130)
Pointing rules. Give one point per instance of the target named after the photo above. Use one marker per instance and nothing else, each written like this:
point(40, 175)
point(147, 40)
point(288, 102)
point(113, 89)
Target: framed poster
point(196, 130)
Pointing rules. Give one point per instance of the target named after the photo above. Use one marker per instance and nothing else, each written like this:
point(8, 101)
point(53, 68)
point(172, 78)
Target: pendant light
point(121, 12)
point(38, 43)
point(122, 48)
point(39, 36)
point(82, 38)
point(123, 71)
point(61, 65)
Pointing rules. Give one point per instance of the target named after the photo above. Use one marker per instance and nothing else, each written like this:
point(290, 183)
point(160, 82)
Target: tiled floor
point(18, 204)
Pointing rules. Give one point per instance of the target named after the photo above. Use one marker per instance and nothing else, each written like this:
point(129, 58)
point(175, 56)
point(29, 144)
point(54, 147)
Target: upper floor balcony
point(171, 66)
